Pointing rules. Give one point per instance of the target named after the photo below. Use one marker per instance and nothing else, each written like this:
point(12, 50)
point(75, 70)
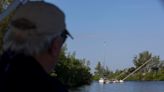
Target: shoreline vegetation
point(71, 71)
point(76, 72)
point(152, 71)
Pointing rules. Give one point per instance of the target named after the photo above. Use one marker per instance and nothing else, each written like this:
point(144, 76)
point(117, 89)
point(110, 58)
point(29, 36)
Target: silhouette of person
point(31, 46)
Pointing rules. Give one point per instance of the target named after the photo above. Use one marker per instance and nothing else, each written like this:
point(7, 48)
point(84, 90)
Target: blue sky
point(114, 31)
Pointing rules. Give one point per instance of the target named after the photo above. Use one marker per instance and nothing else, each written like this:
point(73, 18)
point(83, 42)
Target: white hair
point(29, 43)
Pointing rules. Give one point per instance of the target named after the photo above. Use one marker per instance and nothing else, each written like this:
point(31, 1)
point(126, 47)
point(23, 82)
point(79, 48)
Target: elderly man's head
point(37, 29)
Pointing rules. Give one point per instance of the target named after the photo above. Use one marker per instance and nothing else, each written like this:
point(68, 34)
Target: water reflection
point(148, 86)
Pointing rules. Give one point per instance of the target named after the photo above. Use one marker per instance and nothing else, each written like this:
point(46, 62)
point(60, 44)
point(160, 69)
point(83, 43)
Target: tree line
point(153, 70)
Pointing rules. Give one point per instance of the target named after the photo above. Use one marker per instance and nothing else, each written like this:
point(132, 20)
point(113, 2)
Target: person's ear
point(55, 47)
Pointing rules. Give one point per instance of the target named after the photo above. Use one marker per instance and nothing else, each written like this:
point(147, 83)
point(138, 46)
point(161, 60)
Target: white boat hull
point(101, 81)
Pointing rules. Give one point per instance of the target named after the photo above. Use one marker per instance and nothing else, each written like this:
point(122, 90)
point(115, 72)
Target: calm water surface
point(131, 86)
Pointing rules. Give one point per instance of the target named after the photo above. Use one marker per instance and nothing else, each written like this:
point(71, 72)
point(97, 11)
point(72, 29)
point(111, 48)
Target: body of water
point(127, 86)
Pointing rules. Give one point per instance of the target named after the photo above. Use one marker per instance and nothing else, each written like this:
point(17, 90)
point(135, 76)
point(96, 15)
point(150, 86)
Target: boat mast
point(137, 69)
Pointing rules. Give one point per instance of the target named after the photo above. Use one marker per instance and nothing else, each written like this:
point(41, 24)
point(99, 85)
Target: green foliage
point(96, 77)
point(101, 71)
point(144, 57)
point(161, 65)
point(137, 76)
point(72, 71)
point(3, 24)
point(141, 59)
point(153, 70)
point(160, 75)
point(149, 76)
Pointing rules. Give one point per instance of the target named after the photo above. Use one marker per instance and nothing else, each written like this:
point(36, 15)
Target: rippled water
point(131, 86)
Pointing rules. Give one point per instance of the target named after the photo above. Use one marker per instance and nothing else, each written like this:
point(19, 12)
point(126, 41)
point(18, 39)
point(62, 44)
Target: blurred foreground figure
point(31, 46)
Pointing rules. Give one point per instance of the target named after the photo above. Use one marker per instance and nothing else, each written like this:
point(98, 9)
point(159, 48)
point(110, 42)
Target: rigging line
point(137, 69)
